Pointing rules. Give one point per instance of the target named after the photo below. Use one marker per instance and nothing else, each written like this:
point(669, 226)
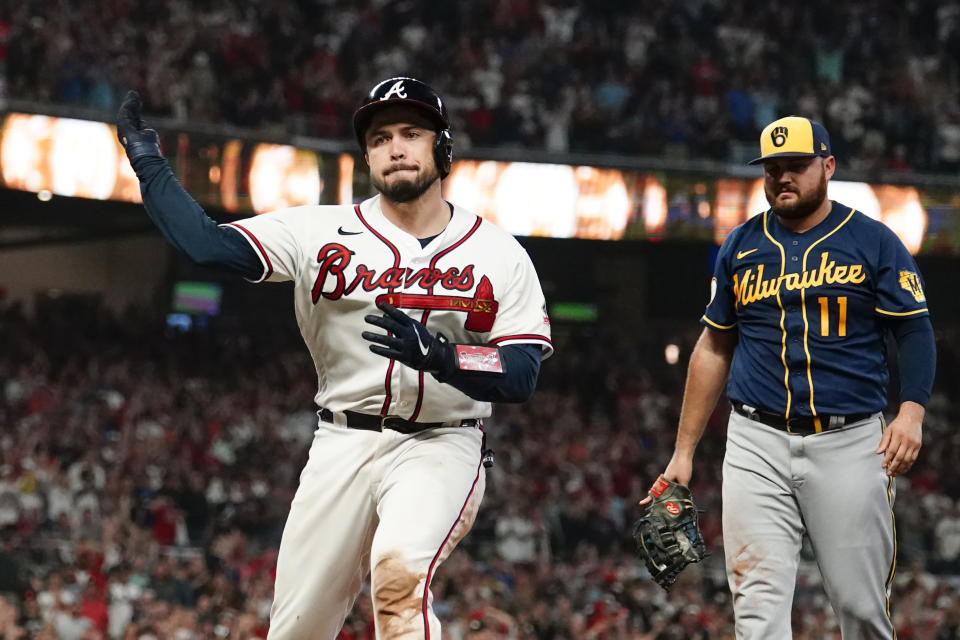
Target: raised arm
point(178, 216)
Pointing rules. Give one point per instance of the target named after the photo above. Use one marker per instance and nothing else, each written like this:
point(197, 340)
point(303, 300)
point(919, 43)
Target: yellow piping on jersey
point(718, 326)
point(783, 314)
point(900, 313)
point(803, 308)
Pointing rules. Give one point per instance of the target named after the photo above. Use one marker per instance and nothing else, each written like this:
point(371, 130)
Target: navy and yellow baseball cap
point(793, 137)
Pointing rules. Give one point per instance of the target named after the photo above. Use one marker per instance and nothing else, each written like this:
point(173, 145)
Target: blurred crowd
point(687, 79)
point(145, 474)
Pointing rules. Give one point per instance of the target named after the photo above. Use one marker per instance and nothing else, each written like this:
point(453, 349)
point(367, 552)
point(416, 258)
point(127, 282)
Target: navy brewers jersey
point(809, 308)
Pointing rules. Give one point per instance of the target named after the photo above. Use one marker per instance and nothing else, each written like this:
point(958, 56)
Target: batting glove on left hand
point(411, 343)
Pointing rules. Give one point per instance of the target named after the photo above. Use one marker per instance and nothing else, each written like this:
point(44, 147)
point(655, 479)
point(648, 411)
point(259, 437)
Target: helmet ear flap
point(443, 152)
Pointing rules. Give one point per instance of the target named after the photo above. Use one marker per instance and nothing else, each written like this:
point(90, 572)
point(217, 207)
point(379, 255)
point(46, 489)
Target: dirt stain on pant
point(745, 565)
point(751, 571)
point(463, 525)
point(397, 605)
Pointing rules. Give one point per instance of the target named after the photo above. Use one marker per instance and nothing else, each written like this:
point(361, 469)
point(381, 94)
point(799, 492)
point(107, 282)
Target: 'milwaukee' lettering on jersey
point(335, 258)
point(751, 287)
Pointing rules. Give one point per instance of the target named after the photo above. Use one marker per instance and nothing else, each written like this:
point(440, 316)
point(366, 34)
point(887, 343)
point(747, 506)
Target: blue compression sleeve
point(185, 225)
point(521, 364)
point(917, 353)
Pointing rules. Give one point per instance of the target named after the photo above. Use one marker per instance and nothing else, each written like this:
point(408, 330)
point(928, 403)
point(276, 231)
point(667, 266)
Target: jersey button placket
point(409, 378)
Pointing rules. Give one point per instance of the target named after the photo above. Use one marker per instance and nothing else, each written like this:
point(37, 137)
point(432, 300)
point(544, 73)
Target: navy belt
point(370, 422)
point(800, 425)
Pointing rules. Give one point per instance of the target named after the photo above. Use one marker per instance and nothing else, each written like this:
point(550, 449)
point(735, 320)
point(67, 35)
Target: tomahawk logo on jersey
point(345, 259)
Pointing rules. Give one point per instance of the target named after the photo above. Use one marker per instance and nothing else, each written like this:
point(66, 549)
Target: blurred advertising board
point(565, 201)
point(65, 157)
point(81, 158)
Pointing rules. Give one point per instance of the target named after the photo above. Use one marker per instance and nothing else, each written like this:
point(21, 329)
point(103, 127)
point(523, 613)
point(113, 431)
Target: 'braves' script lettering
point(333, 259)
point(331, 282)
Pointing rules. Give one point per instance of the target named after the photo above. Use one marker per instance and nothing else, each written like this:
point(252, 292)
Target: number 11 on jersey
point(825, 316)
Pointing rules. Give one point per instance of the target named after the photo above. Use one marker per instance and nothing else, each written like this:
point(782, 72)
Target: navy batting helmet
point(410, 91)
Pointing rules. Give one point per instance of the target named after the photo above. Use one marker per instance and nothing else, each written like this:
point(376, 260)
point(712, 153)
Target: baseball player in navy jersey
point(800, 300)
point(418, 315)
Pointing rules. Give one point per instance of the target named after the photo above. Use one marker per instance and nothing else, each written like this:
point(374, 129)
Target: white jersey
point(473, 282)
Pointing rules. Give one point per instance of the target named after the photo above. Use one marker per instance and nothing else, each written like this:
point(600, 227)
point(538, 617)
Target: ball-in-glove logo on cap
point(779, 136)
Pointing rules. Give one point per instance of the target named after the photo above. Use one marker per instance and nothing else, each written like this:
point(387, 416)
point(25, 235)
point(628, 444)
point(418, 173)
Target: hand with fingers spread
point(409, 342)
point(902, 439)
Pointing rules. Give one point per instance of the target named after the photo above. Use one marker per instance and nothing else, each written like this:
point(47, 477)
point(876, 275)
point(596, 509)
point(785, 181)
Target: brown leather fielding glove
point(667, 536)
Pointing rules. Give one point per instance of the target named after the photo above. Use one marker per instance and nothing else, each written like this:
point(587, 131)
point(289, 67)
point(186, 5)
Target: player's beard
point(401, 191)
point(806, 203)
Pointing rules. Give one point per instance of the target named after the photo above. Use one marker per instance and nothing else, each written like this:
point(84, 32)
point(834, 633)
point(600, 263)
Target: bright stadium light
point(671, 354)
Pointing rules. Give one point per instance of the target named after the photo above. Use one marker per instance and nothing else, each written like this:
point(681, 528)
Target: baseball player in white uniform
point(418, 314)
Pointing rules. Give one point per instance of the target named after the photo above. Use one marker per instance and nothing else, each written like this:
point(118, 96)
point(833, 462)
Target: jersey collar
point(460, 222)
point(837, 213)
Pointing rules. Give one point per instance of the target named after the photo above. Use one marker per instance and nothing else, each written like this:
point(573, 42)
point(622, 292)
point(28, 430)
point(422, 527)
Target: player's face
point(796, 187)
point(400, 153)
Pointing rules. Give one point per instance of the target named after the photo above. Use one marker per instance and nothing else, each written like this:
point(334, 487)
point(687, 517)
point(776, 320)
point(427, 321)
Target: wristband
point(479, 359)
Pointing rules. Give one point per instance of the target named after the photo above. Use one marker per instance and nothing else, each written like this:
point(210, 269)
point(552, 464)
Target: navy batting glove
point(137, 140)
point(409, 342)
